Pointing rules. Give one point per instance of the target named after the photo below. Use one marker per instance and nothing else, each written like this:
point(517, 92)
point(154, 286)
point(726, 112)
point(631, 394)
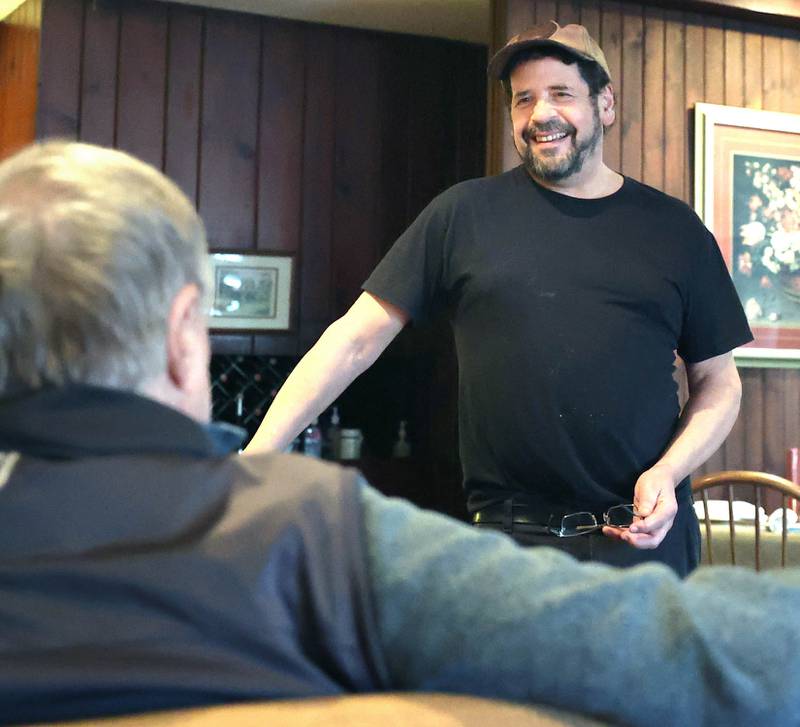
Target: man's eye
point(522, 100)
point(563, 94)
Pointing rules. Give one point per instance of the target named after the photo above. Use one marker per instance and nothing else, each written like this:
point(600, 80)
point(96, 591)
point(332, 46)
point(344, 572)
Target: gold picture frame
point(747, 192)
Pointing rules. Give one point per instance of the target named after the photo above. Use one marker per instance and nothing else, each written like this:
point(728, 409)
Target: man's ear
point(608, 112)
point(183, 325)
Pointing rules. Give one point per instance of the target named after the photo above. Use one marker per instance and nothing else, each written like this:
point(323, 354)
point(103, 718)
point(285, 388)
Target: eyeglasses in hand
point(581, 523)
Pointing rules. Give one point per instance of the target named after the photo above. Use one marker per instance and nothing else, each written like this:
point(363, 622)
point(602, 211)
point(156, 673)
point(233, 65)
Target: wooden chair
point(763, 542)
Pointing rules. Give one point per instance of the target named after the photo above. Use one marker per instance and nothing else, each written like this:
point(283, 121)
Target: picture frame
point(251, 291)
point(747, 192)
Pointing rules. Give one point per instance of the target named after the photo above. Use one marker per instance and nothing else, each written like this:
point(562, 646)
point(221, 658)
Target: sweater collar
point(79, 420)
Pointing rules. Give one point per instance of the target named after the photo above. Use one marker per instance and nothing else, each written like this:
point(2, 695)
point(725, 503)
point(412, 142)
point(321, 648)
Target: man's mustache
point(530, 131)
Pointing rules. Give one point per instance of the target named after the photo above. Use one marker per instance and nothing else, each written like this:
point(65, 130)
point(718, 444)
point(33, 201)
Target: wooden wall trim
point(777, 12)
point(495, 106)
point(19, 71)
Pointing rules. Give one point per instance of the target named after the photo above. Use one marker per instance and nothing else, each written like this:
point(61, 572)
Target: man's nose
point(542, 110)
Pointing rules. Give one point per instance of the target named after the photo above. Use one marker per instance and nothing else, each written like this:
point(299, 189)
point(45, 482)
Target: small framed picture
point(251, 291)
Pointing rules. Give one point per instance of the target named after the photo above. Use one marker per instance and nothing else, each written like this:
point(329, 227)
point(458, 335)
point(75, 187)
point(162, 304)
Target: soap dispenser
point(401, 448)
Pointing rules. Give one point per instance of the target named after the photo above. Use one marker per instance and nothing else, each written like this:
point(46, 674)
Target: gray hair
point(94, 246)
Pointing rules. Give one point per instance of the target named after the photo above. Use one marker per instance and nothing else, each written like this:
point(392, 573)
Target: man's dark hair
point(592, 73)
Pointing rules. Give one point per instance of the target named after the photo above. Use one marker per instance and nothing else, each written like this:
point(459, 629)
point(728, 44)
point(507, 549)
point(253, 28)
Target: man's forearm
point(706, 420)
point(348, 347)
point(317, 380)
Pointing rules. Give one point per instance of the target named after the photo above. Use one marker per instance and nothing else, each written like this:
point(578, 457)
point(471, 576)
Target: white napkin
point(718, 510)
point(775, 521)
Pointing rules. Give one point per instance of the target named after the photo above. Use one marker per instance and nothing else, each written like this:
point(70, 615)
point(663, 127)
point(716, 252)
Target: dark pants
point(680, 549)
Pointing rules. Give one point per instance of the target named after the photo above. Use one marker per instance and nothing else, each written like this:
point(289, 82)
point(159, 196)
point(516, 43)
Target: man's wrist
point(668, 470)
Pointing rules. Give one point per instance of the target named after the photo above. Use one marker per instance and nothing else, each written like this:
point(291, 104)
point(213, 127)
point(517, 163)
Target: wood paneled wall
point(662, 62)
point(318, 141)
point(19, 66)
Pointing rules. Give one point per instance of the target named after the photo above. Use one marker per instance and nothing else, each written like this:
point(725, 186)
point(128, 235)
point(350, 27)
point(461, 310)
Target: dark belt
point(510, 514)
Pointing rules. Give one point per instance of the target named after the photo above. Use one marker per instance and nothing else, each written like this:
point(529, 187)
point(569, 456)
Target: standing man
point(570, 289)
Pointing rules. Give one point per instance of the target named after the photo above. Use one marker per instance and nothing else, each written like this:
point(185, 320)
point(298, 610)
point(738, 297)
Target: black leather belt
point(511, 514)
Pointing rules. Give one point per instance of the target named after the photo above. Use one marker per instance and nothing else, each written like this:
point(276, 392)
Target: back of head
point(94, 246)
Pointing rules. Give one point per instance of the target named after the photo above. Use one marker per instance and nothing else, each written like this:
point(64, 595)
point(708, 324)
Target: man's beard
point(556, 169)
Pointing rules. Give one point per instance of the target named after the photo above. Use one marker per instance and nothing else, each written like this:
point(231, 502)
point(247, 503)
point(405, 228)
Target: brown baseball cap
point(573, 38)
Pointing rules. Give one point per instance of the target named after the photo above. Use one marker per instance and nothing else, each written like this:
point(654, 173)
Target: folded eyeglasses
point(581, 523)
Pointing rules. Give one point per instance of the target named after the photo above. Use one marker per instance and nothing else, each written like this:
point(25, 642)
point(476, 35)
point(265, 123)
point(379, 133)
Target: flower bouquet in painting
point(766, 265)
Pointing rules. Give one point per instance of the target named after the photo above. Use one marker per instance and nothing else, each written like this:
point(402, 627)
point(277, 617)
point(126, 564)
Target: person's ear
point(184, 324)
point(607, 108)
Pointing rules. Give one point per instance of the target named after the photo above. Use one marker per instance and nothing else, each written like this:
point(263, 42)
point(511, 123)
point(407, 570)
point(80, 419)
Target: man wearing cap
point(570, 289)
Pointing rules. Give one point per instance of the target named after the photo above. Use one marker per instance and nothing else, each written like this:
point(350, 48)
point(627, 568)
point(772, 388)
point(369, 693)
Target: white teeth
point(550, 137)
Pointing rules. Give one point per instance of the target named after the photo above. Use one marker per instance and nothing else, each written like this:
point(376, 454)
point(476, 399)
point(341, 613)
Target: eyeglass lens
point(578, 523)
point(620, 516)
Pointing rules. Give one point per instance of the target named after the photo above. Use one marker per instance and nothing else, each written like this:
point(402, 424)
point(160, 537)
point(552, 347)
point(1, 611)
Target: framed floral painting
point(747, 191)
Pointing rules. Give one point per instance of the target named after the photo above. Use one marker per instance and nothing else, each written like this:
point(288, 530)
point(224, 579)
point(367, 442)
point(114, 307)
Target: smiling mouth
point(545, 138)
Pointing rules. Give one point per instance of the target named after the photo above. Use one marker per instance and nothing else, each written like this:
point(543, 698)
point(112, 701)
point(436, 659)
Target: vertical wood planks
point(753, 416)
point(675, 118)
point(590, 17)
point(100, 62)
point(695, 86)
point(280, 118)
point(545, 10)
point(734, 64)
point(357, 208)
point(632, 97)
point(753, 68)
point(319, 143)
point(715, 62)
point(428, 153)
point(229, 129)
point(142, 85)
point(772, 80)
point(790, 65)
point(183, 89)
point(58, 112)
point(611, 43)
point(791, 409)
point(396, 95)
point(569, 11)
point(653, 98)
point(774, 420)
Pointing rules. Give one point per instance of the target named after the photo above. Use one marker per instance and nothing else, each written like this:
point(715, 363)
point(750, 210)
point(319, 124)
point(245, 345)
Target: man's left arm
point(710, 412)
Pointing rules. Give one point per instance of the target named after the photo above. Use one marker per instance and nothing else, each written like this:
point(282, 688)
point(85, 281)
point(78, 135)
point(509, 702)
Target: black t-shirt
point(567, 314)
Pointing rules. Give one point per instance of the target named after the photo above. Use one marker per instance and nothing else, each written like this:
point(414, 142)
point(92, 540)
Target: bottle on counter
point(334, 434)
point(312, 440)
point(350, 444)
point(401, 448)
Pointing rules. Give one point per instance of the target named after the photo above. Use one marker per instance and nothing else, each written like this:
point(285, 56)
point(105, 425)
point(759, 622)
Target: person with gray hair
point(144, 565)
point(96, 246)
